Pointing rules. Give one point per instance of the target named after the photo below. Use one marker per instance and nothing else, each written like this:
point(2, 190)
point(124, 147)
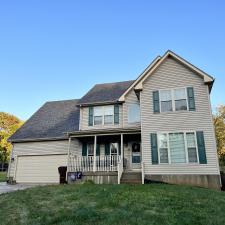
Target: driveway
point(5, 188)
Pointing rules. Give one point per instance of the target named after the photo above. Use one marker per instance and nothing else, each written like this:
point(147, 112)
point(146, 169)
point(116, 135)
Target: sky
point(57, 50)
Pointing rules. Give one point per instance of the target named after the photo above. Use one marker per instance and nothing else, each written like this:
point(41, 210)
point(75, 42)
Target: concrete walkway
point(5, 188)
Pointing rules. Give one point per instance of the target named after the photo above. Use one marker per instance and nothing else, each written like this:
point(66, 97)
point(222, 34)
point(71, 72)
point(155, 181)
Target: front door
point(136, 155)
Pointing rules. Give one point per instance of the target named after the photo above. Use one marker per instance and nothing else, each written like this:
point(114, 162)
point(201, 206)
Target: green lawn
point(113, 204)
point(2, 176)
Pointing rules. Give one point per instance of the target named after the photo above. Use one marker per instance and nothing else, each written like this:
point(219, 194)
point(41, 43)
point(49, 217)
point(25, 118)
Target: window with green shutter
point(201, 147)
point(98, 150)
point(156, 102)
point(84, 149)
point(90, 118)
point(107, 149)
point(191, 98)
point(116, 114)
point(154, 148)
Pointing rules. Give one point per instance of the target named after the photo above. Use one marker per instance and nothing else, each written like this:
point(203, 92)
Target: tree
point(8, 125)
point(219, 123)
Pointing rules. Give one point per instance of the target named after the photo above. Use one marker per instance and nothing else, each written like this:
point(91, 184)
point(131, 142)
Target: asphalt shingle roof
point(109, 92)
point(50, 121)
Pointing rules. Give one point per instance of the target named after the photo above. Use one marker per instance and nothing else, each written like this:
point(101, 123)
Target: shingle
point(109, 92)
point(50, 121)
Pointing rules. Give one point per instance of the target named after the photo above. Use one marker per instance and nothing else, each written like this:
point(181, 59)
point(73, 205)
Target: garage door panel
point(39, 169)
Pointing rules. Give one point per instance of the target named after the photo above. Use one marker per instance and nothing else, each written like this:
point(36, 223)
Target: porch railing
point(86, 163)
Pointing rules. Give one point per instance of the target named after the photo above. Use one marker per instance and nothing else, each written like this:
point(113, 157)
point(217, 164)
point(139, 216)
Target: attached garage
point(39, 169)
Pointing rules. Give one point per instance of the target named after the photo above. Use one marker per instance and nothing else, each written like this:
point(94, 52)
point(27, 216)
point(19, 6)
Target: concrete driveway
point(5, 188)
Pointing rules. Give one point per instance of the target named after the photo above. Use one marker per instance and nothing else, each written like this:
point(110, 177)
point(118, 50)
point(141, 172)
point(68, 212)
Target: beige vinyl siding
point(172, 74)
point(131, 98)
point(85, 116)
point(39, 169)
point(50, 148)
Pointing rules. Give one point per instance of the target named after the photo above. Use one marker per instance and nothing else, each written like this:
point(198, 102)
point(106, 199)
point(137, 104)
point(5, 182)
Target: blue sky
point(54, 50)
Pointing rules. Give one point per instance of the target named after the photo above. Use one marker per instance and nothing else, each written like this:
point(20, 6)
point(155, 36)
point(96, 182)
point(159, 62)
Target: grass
point(3, 176)
point(113, 204)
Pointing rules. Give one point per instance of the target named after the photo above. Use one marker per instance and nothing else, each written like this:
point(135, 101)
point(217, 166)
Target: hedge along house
point(158, 127)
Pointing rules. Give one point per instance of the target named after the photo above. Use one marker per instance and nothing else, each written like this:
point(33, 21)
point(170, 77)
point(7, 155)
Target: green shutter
point(201, 147)
point(156, 101)
point(107, 149)
point(90, 119)
point(116, 114)
point(154, 148)
point(84, 149)
point(98, 150)
point(119, 148)
point(191, 98)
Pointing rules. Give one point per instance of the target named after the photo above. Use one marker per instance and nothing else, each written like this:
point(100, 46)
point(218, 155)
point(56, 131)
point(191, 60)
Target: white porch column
point(95, 147)
point(121, 139)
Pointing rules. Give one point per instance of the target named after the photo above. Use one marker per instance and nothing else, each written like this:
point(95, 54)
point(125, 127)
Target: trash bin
point(62, 174)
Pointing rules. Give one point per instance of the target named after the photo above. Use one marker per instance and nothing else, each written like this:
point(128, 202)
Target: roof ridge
point(66, 100)
point(115, 82)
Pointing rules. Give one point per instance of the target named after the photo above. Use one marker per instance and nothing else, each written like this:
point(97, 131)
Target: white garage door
point(39, 169)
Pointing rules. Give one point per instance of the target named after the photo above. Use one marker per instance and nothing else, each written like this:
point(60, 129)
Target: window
point(90, 150)
point(98, 115)
point(191, 147)
point(166, 100)
point(103, 115)
point(108, 115)
point(163, 148)
point(133, 113)
point(173, 100)
point(177, 147)
point(180, 98)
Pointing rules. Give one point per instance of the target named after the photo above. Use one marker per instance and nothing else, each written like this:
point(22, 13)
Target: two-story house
point(158, 127)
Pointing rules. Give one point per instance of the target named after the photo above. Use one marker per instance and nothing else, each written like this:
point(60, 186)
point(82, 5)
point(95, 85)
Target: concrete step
point(131, 175)
point(128, 181)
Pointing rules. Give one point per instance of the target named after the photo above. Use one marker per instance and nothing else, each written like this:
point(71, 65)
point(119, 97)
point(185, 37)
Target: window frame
point(172, 90)
point(103, 114)
point(128, 113)
point(88, 145)
point(186, 147)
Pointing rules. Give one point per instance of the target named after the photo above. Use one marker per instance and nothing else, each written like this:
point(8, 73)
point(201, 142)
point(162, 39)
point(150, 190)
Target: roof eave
point(37, 139)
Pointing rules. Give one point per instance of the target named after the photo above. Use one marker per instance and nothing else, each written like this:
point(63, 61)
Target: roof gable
point(138, 84)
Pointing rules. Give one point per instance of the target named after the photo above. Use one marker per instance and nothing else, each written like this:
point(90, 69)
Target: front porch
point(105, 155)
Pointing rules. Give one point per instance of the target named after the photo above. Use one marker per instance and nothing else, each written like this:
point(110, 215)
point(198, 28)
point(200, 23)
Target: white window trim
point(103, 115)
point(186, 148)
point(173, 100)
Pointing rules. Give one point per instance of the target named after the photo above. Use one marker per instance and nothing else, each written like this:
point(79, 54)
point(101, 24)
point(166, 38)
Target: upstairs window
point(98, 114)
point(180, 98)
point(166, 100)
point(108, 114)
point(173, 100)
point(103, 115)
point(133, 113)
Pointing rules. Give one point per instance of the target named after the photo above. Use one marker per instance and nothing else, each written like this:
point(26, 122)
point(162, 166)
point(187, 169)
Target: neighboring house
point(158, 127)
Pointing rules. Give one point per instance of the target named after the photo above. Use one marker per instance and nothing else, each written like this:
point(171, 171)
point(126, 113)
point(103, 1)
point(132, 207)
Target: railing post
point(122, 149)
point(95, 147)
